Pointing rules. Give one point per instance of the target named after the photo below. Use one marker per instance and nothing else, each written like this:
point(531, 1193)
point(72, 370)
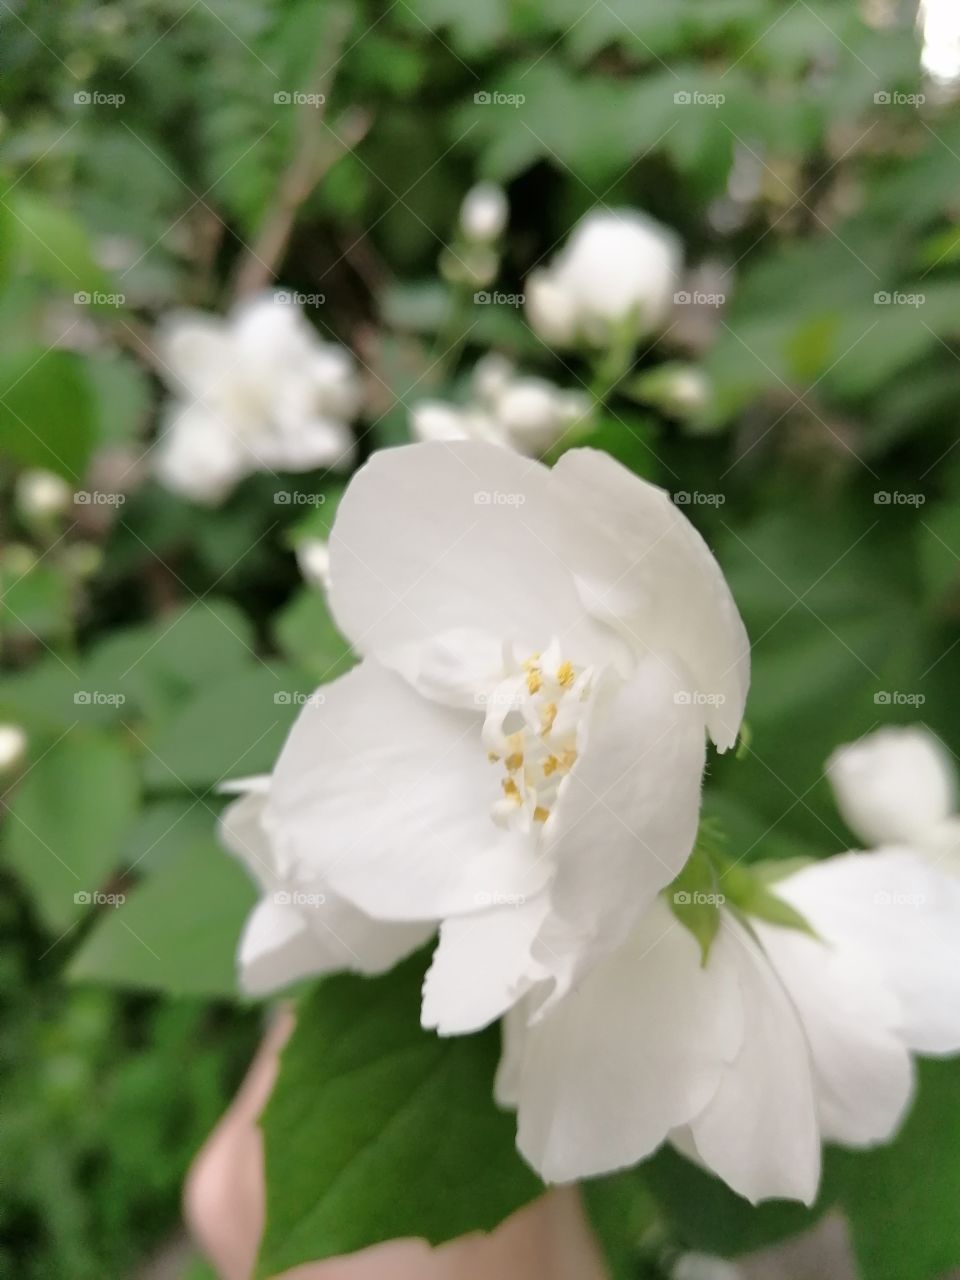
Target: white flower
point(313, 557)
point(615, 278)
point(519, 754)
point(524, 413)
point(299, 928)
point(781, 1041)
point(484, 212)
point(897, 786)
point(41, 494)
point(13, 747)
point(258, 391)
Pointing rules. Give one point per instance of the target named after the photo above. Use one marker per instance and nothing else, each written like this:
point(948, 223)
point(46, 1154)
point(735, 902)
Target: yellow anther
point(548, 716)
point(550, 765)
point(515, 761)
point(531, 662)
point(534, 680)
point(492, 757)
point(540, 814)
point(568, 759)
point(510, 788)
point(565, 674)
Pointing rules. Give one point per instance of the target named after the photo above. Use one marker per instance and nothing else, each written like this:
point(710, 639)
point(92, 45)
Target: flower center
point(530, 731)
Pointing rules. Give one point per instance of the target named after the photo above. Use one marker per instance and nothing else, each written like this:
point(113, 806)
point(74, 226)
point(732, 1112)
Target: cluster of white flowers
point(258, 391)
point(517, 761)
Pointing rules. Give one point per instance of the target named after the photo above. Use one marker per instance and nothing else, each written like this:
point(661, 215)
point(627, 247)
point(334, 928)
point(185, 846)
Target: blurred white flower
point(613, 281)
point(42, 494)
point(484, 212)
point(258, 391)
point(313, 557)
point(897, 786)
point(525, 413)
point(299, 927)
point(13, 747)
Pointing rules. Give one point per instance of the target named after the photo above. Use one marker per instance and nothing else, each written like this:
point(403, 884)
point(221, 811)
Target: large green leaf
point(46, 411)
point(67, 820)
point(377, 1129)
point(177, 932)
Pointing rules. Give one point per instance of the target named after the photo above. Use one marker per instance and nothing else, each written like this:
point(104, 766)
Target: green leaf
point(378, 1130)
point(752, 894)
point(53, 244)
point(67, 821)
point(694, 898)
point(46, 411)
point(901, 1200)
point(177, 932)
point(624, 1215)
point(308, 636)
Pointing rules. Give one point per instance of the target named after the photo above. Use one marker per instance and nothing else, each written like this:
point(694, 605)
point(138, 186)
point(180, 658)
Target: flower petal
point(902, 918)
point(628, 815)
point(862, 1070)
point(276, 949)
point(387, 797)
point(435, 537)
point(636, 1050)
point(644, 567)
point(759, 1131)
point(481, 967)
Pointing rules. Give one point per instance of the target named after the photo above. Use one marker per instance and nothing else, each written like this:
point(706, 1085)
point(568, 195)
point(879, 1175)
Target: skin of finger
point(224, 1209)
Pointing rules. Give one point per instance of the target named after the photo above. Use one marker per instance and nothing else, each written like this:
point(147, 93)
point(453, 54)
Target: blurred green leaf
point(46, 412)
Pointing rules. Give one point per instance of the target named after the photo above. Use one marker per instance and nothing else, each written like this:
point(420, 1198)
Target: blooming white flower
point(898, 786)
point(258, 391)
point(313, 557)
point(615, 278)
point(484, 212)
point(299, 928)
point(780, 1041)
point(41, 494)
point(525, 413)
point(13, 747)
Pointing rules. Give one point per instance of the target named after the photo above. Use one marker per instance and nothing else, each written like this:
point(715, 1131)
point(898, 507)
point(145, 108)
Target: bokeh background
point(161, 153)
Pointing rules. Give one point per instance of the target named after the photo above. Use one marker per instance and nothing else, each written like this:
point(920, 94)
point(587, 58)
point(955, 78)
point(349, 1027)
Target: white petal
point(197, 455)
point(902, 918)
point(862, 1070)
point(276, 949)
point(434, 537)
point(305, 443)
point(641, 563)
point(436, 420)
point(628, 815)
point(513, 1038)
point(893, 786)
point(551, 309)
point(635, 1050)
point(387, 797)
point(195, 351)
point(481, 967)
point(759, 1131)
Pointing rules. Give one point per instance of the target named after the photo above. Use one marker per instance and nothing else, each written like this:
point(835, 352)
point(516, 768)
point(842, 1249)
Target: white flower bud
point(13, 747)
point(313, 557)
point(484, 212)
point(42, 494)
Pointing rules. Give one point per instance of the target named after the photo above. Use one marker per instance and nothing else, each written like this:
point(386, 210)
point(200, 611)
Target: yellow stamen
point(515, 761)
point(549, 715)
point(540, 814)
point(568, 759)
point(510, 788)
point(550, 765)
point(492, 757)
point(534, 680)
point(565, 676)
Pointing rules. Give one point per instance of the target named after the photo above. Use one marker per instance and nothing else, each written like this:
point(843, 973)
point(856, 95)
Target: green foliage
point(378, 1130)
